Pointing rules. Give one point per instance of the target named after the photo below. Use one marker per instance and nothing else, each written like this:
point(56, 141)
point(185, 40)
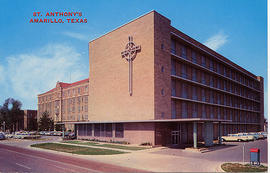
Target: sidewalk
point(148, 160)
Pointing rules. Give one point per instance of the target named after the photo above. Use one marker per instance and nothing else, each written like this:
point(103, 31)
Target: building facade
point(67, 102)
point(151, 83)
point(30, 119)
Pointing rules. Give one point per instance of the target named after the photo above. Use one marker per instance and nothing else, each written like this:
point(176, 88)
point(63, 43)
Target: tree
point(58, 127)
point(11, 114)
point(45, 123)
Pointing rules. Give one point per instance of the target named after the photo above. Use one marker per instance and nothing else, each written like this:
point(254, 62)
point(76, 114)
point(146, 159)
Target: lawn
point(236, 167)
point(76, 149)
point(122, 147)
point(107, 145)
point(81, 143)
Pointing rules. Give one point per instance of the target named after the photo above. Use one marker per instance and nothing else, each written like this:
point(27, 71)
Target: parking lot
point(231, 152)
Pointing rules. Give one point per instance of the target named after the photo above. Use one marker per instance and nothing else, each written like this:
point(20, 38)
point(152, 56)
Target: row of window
point(78, 117)
point(101, 130)
point(187, 72)
point(212, 65)
point(183, 109)
point(187, 91)
point(67, 93)
point(75, 91)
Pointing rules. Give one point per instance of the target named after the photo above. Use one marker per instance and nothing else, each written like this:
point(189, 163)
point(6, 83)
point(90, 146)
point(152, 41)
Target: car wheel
point(239, 140)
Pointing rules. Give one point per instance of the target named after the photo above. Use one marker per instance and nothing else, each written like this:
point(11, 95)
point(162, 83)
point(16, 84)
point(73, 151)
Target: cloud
point(76, 35)
point(37, 72)
point(2, 74)
point(216, 41)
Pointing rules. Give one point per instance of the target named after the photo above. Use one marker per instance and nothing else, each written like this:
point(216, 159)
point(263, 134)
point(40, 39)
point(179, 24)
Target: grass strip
point(132, 148)
point(122, 147)
point(237, 167)
point(81, 143)
point(76, 149)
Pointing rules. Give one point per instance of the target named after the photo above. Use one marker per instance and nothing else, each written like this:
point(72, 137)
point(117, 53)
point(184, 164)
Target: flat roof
point(150, 121)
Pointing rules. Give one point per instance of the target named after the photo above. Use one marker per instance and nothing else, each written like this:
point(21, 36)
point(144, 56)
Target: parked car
point(9, 135)
point(257, 135)
point(264, 134)
point(2, 136)
point(237, 137)
point(57, 133)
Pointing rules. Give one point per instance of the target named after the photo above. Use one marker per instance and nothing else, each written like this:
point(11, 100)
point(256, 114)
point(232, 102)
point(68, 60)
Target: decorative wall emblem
point(130, 54)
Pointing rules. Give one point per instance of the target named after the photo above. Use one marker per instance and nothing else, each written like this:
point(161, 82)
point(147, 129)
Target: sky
point(34, 56)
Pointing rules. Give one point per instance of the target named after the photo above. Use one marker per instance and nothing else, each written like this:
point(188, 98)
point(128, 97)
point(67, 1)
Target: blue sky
point(34, 56)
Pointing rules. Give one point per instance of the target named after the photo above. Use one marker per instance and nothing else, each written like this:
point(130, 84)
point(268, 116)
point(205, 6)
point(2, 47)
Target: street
point(231, 152)
point(15, 159)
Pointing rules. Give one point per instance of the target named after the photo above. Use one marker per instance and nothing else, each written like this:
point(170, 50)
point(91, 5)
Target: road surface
point(231, 152)
point(16, 159)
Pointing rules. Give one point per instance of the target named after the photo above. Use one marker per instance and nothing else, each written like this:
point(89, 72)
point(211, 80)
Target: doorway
point(175, 137)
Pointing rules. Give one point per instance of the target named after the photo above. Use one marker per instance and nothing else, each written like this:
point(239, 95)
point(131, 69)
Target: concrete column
point(219, 133)
point(113, 130)
point(93, 127)
point(195, 134)
point(208, 133)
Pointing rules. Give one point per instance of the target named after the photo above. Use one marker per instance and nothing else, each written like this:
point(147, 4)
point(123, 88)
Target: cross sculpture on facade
point(130, 54)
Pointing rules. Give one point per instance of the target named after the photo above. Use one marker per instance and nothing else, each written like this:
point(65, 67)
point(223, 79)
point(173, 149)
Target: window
point(211, 112)
point(173, 110)
point(184, 110)
point(218, 98)
point(211, 97)
point(173, 47)
point(102, 130)
point(108, 128)
point(119, 130)
point(203, 95)
point(162, 46)
point(218, 68)
point(79, 90)
point(184, 71)
point(224, 73)
point(211, 66)
point(162, 68)
point(224, 85)
point(173, 88)
point(193, 57)
point(194, 93)
point(194, 76)
point(203, 111)
point(218, 113)
point(211, 81)
point(173, 71)
point(225, 114)
point(218, 83)
point(203, 78)
point(97, 130)
point(82, 130)
point(184, 90)
point(89, 130)
point(194, 110)
point(184, 52)
point(225, 100)
point(162, 92)
point(203, 61)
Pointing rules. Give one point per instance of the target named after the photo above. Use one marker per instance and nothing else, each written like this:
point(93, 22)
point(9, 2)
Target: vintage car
point(237, 137)
point(257, 135)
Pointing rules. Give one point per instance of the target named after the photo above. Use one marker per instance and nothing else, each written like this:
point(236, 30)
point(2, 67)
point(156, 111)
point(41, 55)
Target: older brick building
point(149, 82)
point(67, 102)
